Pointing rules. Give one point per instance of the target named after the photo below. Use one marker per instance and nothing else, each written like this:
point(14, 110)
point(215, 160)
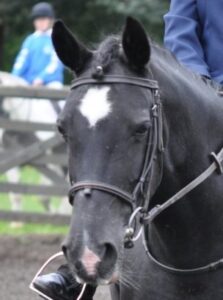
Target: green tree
point(149, 12)
point(90, 20)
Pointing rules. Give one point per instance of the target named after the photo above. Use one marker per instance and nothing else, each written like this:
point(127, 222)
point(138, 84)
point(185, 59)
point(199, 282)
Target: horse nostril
point(109, 251)
point(64, 249)
point(78, 265)
point(109, 258)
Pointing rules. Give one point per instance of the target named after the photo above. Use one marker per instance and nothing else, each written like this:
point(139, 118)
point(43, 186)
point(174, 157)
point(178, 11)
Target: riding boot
point(62, 286)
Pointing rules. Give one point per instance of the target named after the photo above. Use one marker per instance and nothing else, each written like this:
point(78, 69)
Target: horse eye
point(61, 129)
point(142, 129)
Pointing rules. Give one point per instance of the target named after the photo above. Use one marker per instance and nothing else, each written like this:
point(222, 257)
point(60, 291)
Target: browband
point(116, 79)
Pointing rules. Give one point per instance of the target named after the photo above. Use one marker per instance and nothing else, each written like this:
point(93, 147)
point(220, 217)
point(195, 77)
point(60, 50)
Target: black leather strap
point(215, 166)
point(157, 210)
point(117, 79)
point(207, 268)
point(104, 187)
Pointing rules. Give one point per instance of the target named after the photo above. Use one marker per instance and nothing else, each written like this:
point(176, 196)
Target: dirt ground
point(20, 259)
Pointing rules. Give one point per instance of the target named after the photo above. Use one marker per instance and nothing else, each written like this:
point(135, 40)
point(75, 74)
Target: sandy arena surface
point(20, 259)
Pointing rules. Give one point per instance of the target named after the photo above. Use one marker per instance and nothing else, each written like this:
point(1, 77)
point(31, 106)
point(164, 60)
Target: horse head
point(107, 128)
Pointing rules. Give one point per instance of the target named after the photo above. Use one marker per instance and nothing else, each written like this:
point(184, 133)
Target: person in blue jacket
point(37, 61)
point(194, 33)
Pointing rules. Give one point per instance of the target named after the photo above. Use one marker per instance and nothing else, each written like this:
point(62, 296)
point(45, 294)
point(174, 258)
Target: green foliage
point(149, 12)
point(30, 203)
point(90, 20)
point(6, 228)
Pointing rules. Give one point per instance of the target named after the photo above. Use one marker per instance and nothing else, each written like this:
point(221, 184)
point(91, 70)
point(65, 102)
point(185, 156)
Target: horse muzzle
point(92, 266)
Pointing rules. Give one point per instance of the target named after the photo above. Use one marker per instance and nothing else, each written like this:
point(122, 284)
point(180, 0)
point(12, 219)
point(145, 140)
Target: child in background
point(37, 61)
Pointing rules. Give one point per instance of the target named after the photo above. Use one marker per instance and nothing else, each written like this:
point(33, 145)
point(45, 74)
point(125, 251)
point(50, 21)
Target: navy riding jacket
point(194, 33)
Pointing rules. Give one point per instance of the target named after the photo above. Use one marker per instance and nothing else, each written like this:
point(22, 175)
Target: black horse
point(107, 125)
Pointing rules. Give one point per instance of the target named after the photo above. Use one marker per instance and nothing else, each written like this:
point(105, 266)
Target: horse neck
point(187, 234)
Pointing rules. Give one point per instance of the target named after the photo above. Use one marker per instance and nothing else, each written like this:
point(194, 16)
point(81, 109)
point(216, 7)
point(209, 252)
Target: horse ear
point(135, 43)
point(71, 52)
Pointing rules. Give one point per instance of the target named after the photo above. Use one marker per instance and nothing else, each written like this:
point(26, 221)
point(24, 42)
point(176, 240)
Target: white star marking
point(95, 105)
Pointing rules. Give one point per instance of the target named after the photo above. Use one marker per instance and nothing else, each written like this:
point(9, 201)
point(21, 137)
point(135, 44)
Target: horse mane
point(164, 55)
point(110, 49)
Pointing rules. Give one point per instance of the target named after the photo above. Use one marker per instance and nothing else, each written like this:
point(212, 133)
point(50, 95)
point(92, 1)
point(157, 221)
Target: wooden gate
point(39, 154)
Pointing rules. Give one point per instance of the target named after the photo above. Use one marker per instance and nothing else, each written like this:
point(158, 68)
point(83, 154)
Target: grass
point(29, 204)
point(7, 229)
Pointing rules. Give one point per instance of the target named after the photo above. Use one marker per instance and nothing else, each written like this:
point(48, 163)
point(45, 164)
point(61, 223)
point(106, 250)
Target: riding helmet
point(42, 9)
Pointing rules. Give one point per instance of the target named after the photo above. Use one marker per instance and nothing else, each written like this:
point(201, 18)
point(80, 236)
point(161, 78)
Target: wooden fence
point(40, 154)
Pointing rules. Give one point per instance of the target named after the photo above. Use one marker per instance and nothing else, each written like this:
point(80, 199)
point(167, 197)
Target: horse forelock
point(107, 51)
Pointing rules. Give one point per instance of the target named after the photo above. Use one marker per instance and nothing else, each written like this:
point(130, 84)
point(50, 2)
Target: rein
point(158, 209)
point(155, 138)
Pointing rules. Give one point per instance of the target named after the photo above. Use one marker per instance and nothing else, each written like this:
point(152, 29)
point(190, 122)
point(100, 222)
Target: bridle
point(155, 139)
point(142, 193)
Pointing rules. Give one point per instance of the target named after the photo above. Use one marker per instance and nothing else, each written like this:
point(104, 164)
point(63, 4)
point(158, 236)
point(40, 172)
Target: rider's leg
point(213, 84)
point(62, 286)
